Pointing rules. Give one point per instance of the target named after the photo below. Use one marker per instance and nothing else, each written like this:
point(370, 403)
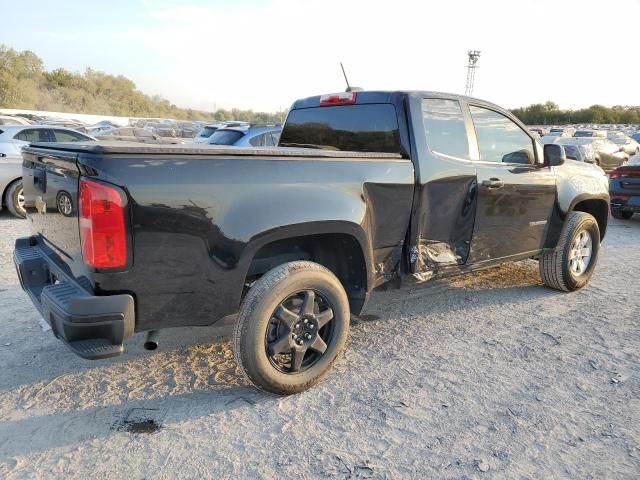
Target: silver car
point(12, 139)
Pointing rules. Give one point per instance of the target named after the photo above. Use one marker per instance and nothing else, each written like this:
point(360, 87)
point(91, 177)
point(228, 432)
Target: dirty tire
point(11, 199)
point(621, 214)
point(554, 265)
point(257, 310)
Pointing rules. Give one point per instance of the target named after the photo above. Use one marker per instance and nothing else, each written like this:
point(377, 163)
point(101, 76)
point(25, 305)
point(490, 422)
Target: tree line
point(550, 114)
point(25, 84)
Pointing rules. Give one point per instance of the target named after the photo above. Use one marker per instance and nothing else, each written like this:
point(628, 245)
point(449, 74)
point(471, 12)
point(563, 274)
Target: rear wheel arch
point(344, 251)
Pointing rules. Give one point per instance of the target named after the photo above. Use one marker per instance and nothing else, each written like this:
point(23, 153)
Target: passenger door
point(516, 194)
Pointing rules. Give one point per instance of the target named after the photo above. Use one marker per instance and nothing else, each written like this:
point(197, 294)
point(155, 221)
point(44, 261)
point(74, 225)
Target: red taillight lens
point(616, 174)
point(344, 98)
point(102, 229)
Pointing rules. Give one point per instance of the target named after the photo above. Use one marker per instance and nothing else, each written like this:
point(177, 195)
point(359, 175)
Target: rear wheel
point(292, 325)
point(14, 199)
point(621, 214)
point(571, 265)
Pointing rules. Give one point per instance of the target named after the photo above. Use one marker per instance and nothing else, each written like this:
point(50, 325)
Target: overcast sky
point(265, 54)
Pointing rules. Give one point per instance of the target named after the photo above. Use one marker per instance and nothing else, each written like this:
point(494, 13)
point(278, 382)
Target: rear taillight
point(616, 174)
point(102, 229)
point(344, 98)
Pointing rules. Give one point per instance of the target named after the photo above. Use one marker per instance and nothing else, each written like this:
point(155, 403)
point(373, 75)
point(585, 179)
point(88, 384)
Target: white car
point(12, 139)
point(10, 120)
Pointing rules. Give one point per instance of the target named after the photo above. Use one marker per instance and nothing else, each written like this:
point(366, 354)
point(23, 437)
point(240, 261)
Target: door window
point(67, 136)
point(32, 135)
point(258, 140)
point(444, 127)
point(500, 139)
point(270, 141)
point(125, 132)
point(141, 132)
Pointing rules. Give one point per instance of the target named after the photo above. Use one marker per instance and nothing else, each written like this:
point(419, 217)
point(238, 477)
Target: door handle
point(493, 183)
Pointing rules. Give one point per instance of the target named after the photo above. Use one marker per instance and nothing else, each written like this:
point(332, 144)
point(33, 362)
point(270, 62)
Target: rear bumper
point(92, 326)
point(626, 203)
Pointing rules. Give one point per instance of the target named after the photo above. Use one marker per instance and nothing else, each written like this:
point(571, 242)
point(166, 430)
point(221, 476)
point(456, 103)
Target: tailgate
point(50, 181)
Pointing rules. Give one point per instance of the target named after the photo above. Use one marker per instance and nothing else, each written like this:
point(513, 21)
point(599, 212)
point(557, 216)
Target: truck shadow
point(40, 433)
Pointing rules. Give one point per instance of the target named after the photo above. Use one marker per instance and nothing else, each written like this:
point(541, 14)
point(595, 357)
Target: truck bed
point(196, 216)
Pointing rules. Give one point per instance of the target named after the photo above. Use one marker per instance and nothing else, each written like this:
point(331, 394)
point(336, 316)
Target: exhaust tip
point(151, 343)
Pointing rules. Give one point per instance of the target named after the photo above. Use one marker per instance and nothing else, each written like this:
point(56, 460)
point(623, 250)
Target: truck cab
point(483, 192)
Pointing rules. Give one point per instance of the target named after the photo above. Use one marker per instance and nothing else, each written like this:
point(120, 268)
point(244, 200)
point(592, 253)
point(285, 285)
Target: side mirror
point(554, 155)
point(621, 149)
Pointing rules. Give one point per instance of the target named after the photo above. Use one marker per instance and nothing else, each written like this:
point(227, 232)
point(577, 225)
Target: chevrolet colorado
point(364, 188)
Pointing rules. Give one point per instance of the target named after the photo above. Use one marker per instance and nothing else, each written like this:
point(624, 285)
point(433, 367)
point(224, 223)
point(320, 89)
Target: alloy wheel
point(299, 331)
point(580, 253)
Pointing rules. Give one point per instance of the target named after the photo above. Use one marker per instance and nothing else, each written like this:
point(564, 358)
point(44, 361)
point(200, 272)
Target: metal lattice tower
point(474, 55)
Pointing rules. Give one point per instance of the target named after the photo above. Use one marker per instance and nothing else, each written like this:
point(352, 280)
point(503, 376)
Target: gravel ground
point(488, 375)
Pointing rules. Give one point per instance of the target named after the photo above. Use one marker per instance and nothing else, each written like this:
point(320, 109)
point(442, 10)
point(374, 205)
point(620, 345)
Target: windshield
point(225, 137)
point(583, 133)
point(359, 128)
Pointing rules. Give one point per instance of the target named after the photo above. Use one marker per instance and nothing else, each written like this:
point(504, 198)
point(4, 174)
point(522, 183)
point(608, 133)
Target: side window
point(444, 127)
point(32, 135)
point(269, 141)
point(500, 139)
point(258, 140)
point(66, 136)
point(141, 132)
point(276, 137)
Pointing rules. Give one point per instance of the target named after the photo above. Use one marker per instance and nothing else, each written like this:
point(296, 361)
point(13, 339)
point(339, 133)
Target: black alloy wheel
point(298, 332)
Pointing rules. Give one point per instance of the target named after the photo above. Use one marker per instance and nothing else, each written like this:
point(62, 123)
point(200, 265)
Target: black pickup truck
point(364, 188)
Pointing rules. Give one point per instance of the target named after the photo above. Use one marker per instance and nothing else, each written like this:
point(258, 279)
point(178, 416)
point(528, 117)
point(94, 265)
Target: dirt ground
point(485, 376)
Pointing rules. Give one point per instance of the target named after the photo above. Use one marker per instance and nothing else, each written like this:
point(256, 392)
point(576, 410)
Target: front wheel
point(292, 325)
point(570, 266)
point(14, 199)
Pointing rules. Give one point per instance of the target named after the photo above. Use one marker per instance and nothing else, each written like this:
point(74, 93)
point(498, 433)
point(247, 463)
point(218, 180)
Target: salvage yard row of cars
point(18, 131)
point(609, 146)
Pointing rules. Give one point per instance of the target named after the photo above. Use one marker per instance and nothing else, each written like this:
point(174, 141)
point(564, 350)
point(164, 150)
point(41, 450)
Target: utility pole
point(473, 55)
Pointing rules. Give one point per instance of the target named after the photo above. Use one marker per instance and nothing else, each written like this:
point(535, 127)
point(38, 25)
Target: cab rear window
point(357, 128)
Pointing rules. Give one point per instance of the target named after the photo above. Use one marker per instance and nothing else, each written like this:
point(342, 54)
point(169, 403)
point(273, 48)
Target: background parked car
point(624, 189)
point(12, 139)
point(561, 132)
point(132, 134)
point(607, 154)
point(247, 136)
point(630, 146)
point(590, 134)
point(203, 135)
point(10, 120)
